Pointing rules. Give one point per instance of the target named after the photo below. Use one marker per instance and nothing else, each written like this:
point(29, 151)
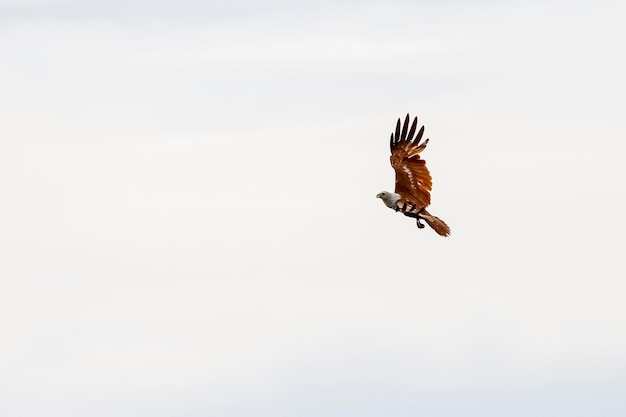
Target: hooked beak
point(379, 195)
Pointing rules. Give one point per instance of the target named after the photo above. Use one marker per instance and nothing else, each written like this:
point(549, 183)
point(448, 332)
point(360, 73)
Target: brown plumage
point(413, 180)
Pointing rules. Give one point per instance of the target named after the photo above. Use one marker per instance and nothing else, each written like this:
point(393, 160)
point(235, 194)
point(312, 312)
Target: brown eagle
point(413, 181)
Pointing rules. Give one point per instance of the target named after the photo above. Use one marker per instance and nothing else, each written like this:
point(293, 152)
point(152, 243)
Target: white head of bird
point(390, 199)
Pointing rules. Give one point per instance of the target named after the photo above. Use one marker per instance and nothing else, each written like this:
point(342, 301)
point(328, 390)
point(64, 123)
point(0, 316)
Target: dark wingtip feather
point(419, 136)
point(405, 127)
point(391, 143)
point(412, 131)
point(397, 131)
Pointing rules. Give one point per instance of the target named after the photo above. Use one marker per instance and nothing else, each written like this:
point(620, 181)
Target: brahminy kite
point(413, 181)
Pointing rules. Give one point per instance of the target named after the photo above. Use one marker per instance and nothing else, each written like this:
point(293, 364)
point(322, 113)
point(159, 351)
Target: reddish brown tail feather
point(436, 223)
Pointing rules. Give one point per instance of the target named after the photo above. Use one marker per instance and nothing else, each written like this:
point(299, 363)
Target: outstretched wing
point(413, 181)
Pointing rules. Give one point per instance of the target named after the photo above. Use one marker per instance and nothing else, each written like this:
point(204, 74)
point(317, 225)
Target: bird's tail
point(436, 223)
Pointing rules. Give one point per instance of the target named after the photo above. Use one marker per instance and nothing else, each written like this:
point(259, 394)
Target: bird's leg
point(418, 218)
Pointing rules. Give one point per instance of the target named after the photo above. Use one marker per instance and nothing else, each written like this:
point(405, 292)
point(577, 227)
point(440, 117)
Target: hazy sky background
point(189, 225)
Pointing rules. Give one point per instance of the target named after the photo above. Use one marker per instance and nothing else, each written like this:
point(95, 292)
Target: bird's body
point(413, 181)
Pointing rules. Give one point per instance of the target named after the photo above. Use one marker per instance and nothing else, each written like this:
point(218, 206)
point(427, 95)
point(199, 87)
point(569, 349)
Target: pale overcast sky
point(189, 225)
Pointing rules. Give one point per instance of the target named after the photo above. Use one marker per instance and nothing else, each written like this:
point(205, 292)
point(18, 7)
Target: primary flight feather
point(413, 181)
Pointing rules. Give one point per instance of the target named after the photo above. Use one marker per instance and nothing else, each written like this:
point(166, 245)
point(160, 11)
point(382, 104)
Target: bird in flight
point(413, 181)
